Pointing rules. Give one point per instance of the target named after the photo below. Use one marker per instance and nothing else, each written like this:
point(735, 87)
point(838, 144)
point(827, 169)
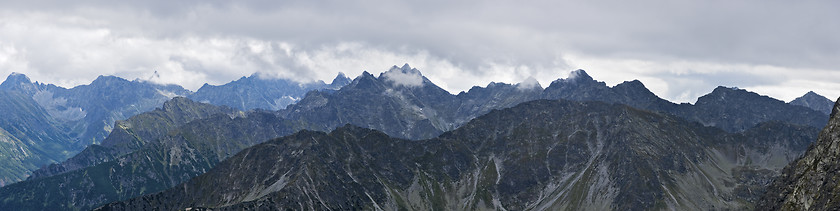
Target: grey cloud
point(484, 40)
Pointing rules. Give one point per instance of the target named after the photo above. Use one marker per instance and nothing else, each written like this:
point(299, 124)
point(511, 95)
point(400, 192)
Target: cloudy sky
point(679, 49)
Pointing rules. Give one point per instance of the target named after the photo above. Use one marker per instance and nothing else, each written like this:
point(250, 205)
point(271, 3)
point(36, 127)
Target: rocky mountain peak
point(365, 80)
point(405, 66)
point(578, 86)
point(633, 85)
point(16, 78)
point(339, 81)
point(579, 74)
point(177, 102)
point(727, 94)
point(108, 80)
point(724, 90)
point(404, 76)
point(407, 69)
point(17, 81)
point(365, 73)
point(635, 89)
point(404, 70)
point(578, 77)
point(814, 101)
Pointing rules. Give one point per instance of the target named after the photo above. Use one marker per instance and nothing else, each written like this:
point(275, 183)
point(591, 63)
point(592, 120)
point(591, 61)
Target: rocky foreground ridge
point(813, 181)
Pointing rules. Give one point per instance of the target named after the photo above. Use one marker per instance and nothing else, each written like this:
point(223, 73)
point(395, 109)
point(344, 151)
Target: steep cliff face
point(537, 155)
point(813, 181)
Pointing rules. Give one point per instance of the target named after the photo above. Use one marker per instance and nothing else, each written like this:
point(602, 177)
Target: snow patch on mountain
point(281, 103)
point(58, 107)
point(168, 94)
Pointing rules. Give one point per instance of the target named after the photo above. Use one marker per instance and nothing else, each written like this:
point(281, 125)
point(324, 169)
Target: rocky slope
point(537, 155)
point(132, 134)
point(813, 181)
point(29, 137)
point(814, 101)
point(262, 92)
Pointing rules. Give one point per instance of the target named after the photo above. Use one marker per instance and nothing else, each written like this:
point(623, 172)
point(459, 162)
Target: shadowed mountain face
point(537, 155)
point(814, 101)
point(262, 92)
point(813, 181)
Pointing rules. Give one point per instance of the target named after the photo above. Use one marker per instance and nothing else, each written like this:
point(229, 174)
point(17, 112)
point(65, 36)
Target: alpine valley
point(397, 141)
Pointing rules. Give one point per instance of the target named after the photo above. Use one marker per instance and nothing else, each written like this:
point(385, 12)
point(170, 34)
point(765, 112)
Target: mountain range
point(263, 92)
point(424, 110)
point(44, 116)
point(538, 155)
point(736, 140)
point(45, 123)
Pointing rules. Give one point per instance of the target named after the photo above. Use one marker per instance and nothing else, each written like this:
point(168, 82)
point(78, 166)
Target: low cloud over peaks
point(529, 83)
point(678, 48)
point(405, 76)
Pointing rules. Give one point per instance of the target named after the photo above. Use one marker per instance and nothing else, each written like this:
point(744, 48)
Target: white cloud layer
point(680, 50)
point(528, 83)
point(404, 77)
